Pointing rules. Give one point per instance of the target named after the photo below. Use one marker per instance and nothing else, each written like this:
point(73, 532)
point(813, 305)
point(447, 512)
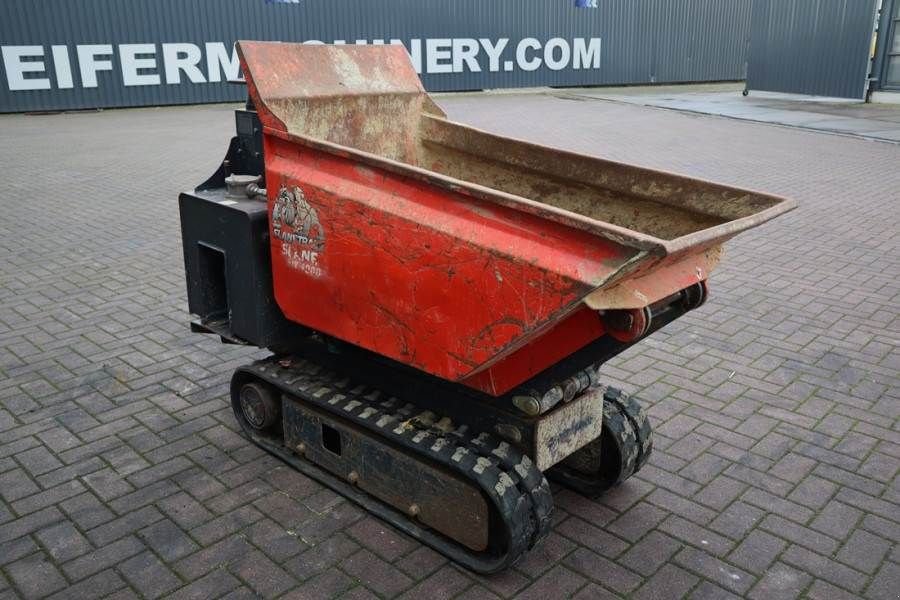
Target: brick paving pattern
point(775, 406)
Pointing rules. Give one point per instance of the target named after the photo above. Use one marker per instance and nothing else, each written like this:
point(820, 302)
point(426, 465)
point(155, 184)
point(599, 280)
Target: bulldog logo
point(295, 220)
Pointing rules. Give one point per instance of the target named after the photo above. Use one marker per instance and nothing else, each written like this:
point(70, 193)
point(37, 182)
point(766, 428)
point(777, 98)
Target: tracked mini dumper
point(437, 298)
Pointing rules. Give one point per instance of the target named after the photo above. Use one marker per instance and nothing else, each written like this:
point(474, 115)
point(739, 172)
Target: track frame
point(517, 492)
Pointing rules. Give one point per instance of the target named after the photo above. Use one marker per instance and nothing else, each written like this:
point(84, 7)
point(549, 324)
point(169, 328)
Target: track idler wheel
point(259, 406)
point(624, 445)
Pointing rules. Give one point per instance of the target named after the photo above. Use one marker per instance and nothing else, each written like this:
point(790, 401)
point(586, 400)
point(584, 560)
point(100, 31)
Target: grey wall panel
point(817, 47)
point(641, 41)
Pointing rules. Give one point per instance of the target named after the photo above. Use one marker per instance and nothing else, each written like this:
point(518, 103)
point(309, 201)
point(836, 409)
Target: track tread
point(627, 428)
point(508, 478)
point(638, 420)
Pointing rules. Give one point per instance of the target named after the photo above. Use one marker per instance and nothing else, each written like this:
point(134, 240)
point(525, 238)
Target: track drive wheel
point(623, 447)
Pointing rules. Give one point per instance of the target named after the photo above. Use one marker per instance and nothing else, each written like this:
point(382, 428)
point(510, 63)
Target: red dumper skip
point(437, 298)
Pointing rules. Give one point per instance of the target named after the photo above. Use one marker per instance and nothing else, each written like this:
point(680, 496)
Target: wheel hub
point(257, 406)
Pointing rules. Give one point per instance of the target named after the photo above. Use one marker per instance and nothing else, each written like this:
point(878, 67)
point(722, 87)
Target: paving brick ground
point(775, 405)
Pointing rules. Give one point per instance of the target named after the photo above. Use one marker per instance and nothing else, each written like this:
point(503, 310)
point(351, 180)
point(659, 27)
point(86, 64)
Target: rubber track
point(516, 488)
point(637, 418)
point(625, 421)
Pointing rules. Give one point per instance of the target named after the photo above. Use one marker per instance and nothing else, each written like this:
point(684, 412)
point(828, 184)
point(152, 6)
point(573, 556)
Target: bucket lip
point(627, 237)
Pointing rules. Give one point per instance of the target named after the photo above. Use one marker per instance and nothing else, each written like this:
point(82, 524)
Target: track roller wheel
point(624, 445)
point(259, 406)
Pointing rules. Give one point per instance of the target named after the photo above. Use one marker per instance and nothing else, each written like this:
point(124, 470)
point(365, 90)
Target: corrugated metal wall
point(817, 47)
point(642, 41)
point(886, 69)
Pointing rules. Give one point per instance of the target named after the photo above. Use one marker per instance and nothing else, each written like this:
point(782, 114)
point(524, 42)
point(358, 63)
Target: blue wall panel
point(626, 42)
